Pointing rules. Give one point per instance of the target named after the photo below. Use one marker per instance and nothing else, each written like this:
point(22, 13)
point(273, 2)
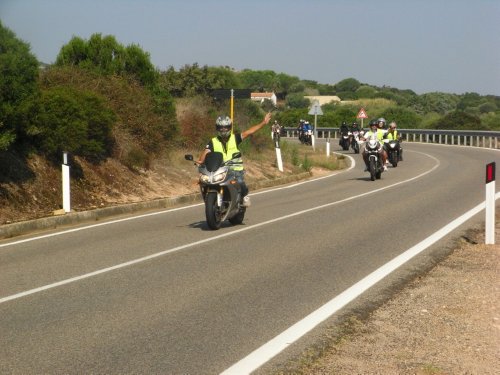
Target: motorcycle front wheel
point(373, 171)
point(212, 211)
point(394, 159)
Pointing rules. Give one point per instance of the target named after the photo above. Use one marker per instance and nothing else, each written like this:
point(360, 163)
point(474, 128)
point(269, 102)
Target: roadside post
point(66, 183)
point(315, 110)
point(490, 204)
point(278, 155)
point(328, 145)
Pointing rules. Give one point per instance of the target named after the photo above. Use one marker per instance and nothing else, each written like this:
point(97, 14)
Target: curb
point(72, 218)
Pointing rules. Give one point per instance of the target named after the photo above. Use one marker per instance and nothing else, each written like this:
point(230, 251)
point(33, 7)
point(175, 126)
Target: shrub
point(74, 121)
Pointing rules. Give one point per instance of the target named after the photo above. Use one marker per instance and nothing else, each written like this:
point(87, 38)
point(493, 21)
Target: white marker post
point(328, 146)
point(65, 183)
point(278, 155)
point(490, 204)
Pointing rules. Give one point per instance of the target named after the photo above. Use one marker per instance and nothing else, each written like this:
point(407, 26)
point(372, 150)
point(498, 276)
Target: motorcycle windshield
point(213, 161)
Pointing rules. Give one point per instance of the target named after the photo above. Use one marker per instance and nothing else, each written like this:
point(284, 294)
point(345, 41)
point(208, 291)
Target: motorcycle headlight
point(219, 177)
point(204, 178)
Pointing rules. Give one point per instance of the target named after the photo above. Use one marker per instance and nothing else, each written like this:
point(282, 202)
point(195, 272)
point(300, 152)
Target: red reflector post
point(490, 172)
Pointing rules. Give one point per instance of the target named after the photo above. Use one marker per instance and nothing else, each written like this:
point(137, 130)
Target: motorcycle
point(375, 164)
point(306, 137)
point(308, 134)
point(276, 135)
point(355, 141)
point(393, 148)
point(220, 190)
point(344, 141)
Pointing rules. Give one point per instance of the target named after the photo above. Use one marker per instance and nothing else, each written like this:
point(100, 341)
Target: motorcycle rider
point(306, 137)
point(355, 127)
point(300, 128)
point(379, 135)
point(276, 129)
point(344, 129)
point(382, 124)
point(392, 134)
point(227, 142)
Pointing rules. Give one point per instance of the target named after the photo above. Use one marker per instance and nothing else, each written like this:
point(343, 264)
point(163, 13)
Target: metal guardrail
point(477, 138)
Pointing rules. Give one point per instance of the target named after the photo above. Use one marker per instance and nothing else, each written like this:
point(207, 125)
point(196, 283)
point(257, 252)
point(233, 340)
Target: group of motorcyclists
point(226, 194)
point(389, 140)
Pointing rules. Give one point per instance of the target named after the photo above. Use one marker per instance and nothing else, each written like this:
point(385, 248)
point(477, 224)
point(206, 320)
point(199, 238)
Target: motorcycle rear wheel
point(212, 212)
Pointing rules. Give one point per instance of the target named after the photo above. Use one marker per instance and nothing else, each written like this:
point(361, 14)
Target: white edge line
point(353, 163)
point(273, 347)
point(182, 247)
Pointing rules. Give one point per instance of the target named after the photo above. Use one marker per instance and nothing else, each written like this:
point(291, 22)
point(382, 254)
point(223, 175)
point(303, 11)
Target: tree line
point(101, 98)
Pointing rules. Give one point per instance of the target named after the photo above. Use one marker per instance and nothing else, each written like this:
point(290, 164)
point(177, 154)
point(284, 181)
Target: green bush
point(459, 120)
point(136, 159)
point(73, 121)
point(404, 117)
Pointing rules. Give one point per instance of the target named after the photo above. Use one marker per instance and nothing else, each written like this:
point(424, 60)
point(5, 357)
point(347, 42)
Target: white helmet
point(223, 126)
point(381, 120)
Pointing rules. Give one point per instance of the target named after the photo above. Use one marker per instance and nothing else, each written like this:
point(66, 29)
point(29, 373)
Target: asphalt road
point(163, 294)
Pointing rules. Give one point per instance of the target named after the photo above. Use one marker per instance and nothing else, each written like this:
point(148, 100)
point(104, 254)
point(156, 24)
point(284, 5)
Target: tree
point(106, 56)
point(297, 100)
point(438, 102)
point(18, 81)
point(347, 85)
point(259, 80)
point(459, 120)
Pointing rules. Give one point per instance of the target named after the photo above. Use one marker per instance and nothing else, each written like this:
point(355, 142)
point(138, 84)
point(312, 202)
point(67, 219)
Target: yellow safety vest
point(379, 134)
point(393, 136)
point(228, 151)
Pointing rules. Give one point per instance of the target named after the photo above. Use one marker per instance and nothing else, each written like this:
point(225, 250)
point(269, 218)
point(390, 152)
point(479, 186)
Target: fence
point(477, 138)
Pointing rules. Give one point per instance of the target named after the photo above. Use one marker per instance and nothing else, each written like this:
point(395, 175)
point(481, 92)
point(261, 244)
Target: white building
point(261, 96)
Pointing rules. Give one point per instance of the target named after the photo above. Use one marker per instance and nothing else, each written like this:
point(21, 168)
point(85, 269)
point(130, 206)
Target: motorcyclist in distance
point(276, 129)
point(227, 142)
point(344, 129)
point(300, 128)
point(393, 134)
point(355, 127)
point(379, 135)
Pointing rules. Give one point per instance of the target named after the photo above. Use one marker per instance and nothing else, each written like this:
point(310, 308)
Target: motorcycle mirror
point(188, 157)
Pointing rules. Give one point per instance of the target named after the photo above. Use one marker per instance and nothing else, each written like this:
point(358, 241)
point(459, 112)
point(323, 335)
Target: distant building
point(261, 96)
point(323, 99)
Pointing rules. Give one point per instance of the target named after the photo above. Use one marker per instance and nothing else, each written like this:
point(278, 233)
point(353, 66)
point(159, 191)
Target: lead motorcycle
point(375, 164)
point(220, 189)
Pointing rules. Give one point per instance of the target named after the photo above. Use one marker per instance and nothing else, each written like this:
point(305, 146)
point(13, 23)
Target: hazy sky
point(423, 45)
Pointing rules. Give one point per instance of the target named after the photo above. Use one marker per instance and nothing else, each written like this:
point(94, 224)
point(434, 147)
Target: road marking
point(353, 163)
point(186, 246)
point(279, 343)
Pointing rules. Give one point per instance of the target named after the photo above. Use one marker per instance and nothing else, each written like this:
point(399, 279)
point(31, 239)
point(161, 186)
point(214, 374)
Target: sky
point(448, 46)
